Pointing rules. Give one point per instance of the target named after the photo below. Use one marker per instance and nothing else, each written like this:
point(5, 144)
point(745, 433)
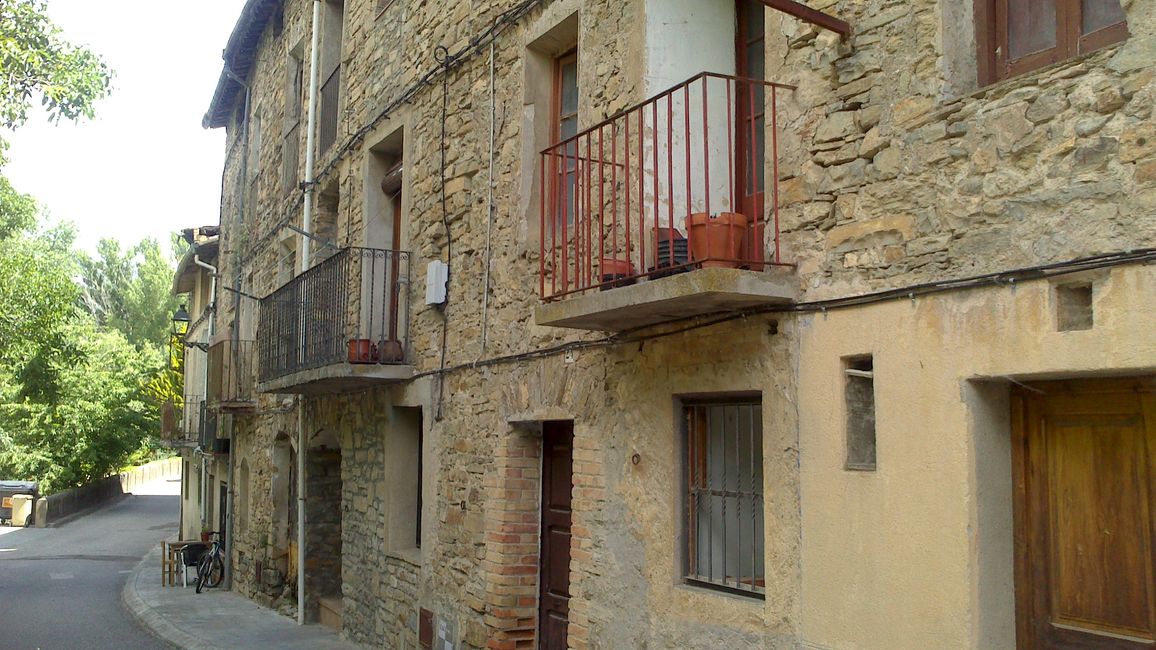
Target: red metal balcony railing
point(675, 183)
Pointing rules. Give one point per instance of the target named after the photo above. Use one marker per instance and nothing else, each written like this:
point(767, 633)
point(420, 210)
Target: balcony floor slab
point(336, 378)
point(696, 293)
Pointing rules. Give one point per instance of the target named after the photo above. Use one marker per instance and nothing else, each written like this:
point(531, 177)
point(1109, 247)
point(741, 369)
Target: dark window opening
point(723, 447)
point(859, 392)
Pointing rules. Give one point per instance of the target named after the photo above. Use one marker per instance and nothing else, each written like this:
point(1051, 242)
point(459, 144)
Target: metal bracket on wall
point(813, 16)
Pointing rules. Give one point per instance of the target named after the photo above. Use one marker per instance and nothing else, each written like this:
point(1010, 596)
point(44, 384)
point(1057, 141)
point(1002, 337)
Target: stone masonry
point(896, 169)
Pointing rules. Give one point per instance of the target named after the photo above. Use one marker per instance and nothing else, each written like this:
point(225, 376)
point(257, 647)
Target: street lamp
point(177, 338)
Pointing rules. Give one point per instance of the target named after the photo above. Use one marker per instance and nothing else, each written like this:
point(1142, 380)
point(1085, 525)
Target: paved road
point(60, 588)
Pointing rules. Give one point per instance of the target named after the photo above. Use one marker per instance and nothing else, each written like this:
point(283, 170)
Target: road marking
point(61, 576)
point(126, 571)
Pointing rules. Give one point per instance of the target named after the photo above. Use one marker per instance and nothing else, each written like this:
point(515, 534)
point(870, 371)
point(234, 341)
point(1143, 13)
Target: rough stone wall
point(897, 170)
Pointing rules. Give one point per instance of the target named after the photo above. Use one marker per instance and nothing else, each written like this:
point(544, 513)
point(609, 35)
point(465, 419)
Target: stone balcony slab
point(696, 293)
point(336, 378)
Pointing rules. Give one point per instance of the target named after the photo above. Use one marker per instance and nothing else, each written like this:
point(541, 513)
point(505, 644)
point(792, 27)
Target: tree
point(36, 60)
point(93, 420)
point(130, 291)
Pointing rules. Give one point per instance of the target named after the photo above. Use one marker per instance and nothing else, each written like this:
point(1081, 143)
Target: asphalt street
point(60, 587)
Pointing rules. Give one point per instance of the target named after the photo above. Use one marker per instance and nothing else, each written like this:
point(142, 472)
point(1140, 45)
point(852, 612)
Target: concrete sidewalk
point(214, 618)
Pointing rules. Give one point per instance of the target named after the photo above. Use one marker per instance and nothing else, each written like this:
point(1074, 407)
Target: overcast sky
point(144, 167)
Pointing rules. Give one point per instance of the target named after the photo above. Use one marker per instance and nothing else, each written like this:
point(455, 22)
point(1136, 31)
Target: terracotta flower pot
point(361, 351)
point(616, 272)
point(390, 351)
point(716, 240)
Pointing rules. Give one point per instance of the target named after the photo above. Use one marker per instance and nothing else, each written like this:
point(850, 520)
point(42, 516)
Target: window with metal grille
point(859, 392)
point(723, 442)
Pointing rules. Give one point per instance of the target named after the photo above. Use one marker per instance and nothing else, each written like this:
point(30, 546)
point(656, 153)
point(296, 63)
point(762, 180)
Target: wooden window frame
point(556, 116)
point(992, 39)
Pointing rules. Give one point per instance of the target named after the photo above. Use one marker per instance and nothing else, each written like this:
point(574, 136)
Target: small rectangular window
point(1074, 307)
point(723, 441)
point(859, 393)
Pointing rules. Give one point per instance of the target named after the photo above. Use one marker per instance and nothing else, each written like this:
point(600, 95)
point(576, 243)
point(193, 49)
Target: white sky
point(144, 167)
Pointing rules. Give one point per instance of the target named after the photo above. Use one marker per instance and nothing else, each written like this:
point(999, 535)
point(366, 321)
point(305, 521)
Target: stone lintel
point(696, 293)
point(336, 378)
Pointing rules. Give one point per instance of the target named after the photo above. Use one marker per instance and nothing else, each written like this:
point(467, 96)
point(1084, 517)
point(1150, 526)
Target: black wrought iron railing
point(347, 309)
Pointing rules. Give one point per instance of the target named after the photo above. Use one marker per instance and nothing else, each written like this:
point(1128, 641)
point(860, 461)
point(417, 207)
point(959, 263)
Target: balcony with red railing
point(181, 421)
point(666, 210)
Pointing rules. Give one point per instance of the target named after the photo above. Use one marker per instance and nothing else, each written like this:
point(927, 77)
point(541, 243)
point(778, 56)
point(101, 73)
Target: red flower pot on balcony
point(616, 273)
point(361, 351)
point(390, 351)
point(716, 240)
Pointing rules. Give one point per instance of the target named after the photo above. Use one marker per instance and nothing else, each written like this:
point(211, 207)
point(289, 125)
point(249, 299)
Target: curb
point(150, 620)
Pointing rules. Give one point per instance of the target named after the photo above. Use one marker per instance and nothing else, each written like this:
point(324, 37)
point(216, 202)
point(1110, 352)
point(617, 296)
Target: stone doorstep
point(695, 293)
point(330, 611)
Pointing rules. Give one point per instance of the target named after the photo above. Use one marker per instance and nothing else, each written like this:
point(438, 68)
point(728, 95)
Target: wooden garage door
point(1085, 536)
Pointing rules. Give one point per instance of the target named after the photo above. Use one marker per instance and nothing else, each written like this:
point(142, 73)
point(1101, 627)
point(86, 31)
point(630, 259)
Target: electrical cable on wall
point(999, 278)
point(442, 55)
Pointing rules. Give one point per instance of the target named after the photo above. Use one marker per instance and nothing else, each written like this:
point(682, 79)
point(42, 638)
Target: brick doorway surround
point(512, 527)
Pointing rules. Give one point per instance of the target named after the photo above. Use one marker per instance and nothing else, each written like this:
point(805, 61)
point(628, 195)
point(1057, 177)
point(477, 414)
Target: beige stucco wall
point(919, 553)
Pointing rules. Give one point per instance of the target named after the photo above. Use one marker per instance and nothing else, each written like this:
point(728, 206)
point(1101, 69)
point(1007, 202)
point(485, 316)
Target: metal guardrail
point(347, 309)
point(686, 179)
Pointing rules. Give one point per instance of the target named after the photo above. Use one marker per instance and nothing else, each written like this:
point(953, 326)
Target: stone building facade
point(955, 242)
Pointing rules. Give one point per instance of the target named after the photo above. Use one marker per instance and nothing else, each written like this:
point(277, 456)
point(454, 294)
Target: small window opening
point(859, 392)
point(1074, 307)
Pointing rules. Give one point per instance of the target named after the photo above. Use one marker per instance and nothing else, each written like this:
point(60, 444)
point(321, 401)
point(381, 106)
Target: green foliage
point(36, 289)
point(129, 291)
point(36, 60)
point(95, 415)
point(80, 387)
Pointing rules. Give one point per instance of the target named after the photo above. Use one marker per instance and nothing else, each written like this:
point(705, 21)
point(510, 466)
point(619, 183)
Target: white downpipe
point(204, 487)
point(307, 226)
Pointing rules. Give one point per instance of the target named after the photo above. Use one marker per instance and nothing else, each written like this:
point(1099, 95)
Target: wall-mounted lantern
point(177, 338)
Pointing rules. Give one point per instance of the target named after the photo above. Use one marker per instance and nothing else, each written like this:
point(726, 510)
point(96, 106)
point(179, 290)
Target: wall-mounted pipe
point(307, 226)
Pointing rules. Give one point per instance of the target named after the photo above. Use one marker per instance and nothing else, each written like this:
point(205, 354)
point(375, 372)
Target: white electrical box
point(437, 275)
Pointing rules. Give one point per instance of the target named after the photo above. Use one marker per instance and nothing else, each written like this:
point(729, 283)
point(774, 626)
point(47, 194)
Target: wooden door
point(554, 563)
point(1085, 467)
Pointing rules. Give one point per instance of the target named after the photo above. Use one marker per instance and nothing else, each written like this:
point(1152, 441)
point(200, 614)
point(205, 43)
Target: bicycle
point(211, 566)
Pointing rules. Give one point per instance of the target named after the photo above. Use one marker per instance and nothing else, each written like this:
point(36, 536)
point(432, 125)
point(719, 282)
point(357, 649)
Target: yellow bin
point(22, 505)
